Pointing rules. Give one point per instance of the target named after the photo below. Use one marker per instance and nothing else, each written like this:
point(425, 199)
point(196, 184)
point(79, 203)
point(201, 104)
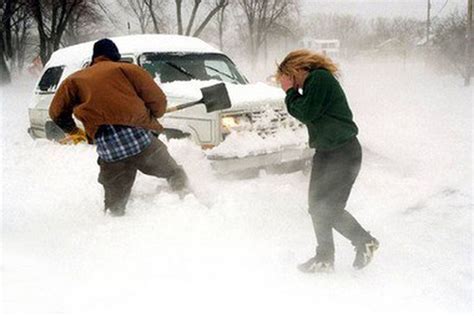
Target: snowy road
point(237, 256)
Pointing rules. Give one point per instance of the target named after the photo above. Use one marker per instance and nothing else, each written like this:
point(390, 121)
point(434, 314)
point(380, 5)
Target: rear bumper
point(286, 156)
point(50, 131)
point(36, 132)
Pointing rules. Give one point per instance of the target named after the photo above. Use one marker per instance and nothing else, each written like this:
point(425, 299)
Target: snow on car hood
point(243, 144)
point(242, 96)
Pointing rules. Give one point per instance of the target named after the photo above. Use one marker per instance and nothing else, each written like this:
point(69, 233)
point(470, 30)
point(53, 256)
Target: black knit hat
point(107, 48)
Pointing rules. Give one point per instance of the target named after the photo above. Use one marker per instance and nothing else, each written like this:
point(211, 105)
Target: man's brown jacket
point(108, 93)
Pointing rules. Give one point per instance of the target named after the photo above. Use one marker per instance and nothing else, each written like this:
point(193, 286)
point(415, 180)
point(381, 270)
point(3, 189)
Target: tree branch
point(179, 16)
point(220, 4)
point(149, 4)
point(193, 16)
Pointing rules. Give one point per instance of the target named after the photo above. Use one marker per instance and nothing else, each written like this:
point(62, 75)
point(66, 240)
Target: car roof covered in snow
point(75, 55)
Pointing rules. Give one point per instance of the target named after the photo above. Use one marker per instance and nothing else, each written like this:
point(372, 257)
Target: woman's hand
point(286, 82)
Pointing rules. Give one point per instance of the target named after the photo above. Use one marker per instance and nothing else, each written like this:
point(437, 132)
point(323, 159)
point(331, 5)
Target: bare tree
point(218, 5)
point(5, 32)
point(140, 10)
point(449, 43)
point(82, 25)
point(21, 26)
point(179, 15)
point(51, 17)
point(150, 4)
point(154, 12)
point(261, 17)
point(193, 16)
point(220, 25)
point(404, 30)
point(107, 14)
point(14, 30)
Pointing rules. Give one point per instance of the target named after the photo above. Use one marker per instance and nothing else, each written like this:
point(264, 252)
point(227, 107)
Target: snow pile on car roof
point(133, 44)
point(241, 95)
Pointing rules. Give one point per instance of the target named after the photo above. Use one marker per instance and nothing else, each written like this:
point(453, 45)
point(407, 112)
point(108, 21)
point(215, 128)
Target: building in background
point(329, 47)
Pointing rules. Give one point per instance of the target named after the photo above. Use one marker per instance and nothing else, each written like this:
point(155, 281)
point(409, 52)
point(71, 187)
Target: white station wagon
point(256, 132)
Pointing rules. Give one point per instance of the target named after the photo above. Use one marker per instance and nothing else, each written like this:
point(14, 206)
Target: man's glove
point(75, 137)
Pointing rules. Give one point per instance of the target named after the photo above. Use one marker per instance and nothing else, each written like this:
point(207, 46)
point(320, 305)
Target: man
point(118, 104)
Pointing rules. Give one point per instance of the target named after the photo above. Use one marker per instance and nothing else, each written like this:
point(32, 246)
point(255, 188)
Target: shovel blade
point(216, 98)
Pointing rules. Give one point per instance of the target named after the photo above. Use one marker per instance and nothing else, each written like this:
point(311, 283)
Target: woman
point(315, 97)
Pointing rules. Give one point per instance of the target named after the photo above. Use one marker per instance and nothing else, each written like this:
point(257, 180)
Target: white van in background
point(256, 132)
point(328, 47)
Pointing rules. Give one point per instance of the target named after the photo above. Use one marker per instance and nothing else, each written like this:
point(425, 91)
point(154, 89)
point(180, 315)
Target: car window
point(50, 79)
point(168, 67)
point(126, 59)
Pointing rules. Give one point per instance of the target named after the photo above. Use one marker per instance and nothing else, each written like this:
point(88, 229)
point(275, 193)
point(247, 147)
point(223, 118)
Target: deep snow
point(234, 250)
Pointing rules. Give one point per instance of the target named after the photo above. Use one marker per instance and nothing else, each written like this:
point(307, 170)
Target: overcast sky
point(387, 8)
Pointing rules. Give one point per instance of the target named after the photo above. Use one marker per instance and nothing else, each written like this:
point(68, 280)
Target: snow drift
point(233, 249)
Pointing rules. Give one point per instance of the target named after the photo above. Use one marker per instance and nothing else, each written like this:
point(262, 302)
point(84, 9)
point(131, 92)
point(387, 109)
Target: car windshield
point(168, 67)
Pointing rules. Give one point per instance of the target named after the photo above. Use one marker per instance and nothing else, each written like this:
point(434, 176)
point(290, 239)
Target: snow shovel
point(214, 97)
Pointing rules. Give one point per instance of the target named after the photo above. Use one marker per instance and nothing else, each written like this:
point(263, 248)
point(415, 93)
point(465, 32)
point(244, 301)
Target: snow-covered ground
point(234, 251)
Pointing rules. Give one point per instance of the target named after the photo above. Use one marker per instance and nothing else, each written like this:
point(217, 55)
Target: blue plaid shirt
point(117, 142)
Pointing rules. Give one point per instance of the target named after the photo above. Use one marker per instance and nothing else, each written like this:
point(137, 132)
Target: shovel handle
point(182, 106)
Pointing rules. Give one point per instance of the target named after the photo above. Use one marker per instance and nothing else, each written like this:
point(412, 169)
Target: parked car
point(181, 65)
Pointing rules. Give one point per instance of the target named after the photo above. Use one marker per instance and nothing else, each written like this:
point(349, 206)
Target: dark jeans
point(118, 177)
point(332, 177)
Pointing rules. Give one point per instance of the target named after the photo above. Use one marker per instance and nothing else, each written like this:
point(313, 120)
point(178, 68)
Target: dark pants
point(332, 177)
point(118, 177)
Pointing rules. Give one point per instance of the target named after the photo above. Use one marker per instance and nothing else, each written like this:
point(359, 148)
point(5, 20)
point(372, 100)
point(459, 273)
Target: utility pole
point(467, 79)
point(428, 22)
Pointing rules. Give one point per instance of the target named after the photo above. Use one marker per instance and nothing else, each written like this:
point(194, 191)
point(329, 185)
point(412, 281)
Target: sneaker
point(365, 253)
point(183, 193)
point(179, 180)
point(117, 213)
point(179, 183)
point(313, 265)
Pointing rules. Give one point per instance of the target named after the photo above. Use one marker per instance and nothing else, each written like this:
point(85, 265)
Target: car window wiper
point(221, 72)
point(180, 69)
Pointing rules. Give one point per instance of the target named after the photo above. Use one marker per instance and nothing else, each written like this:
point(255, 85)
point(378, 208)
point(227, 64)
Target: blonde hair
point(303, 59)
